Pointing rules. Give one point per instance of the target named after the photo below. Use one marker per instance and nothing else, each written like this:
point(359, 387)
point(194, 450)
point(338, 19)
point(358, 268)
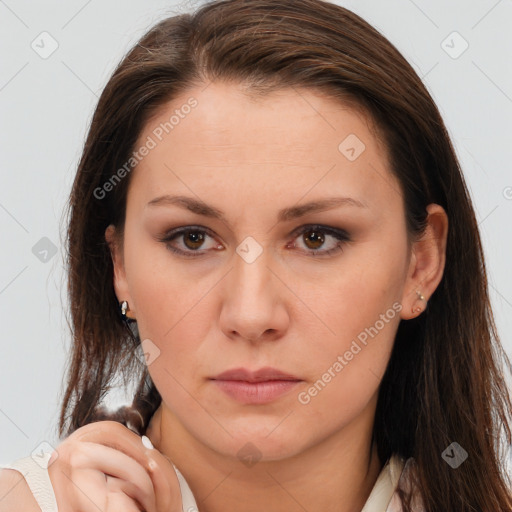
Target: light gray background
point(46, 105)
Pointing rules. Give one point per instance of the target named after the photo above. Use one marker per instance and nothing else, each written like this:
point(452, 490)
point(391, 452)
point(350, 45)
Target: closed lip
point(261, 375)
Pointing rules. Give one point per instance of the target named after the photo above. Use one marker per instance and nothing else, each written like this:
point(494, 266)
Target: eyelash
point(341, 235)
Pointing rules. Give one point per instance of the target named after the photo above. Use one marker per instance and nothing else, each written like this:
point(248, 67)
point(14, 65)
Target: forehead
point(224, 117)
point(290, 142)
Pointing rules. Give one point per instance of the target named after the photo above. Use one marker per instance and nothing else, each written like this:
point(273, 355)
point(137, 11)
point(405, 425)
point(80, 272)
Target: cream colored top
point(383, 497)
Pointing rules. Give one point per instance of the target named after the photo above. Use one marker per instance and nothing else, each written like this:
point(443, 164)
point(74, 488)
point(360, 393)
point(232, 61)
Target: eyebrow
point(201, 208)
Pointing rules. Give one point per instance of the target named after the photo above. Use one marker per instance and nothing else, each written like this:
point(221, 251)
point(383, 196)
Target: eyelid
point(320, 227)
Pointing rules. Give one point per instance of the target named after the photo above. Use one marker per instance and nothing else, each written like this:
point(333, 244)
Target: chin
point(259, 443)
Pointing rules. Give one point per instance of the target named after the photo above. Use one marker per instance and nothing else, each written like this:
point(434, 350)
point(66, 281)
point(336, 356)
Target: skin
point(288, 309)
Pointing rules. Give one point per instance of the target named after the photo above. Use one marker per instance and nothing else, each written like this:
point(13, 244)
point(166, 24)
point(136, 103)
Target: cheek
point(176, 326)
point(355, 295)
point(346, 370)
point(168, 307)
point(155, 285)
point(358, 314)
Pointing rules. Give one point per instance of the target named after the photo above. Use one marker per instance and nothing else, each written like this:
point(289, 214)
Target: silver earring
point(124, 308)
point(419, 309)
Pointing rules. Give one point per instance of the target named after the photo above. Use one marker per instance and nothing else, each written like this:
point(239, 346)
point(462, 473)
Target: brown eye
point(314, 239)
point(193, 239)
point(187, 241)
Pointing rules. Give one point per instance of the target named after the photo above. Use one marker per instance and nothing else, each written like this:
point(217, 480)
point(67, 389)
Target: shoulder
point(15, 493)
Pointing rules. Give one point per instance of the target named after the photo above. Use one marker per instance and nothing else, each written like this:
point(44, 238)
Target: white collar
point(385, 486)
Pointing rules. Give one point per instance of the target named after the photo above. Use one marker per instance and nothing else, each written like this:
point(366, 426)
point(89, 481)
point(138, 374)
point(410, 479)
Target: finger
point(114, 435)
point(121, 466)
point(115, 487)
point(83, 490)
point(86, 492)
point(165, 482)
point(119, 502)
point(163, 476)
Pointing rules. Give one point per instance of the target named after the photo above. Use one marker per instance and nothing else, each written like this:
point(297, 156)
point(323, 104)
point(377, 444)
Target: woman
point(270, 233)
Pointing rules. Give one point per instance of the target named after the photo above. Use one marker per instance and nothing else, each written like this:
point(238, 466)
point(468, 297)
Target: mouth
point(255, 387)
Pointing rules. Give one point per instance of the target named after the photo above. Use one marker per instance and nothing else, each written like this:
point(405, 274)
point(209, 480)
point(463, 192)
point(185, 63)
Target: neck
point(336, 474)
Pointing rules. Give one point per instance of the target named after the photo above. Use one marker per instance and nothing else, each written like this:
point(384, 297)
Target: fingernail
point(147, 443)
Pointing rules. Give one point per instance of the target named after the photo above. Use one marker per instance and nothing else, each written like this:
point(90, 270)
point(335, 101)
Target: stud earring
point(124, 308)
point(419, 309)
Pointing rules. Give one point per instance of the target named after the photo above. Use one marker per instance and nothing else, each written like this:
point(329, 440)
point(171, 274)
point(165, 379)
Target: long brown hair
point(444, 382)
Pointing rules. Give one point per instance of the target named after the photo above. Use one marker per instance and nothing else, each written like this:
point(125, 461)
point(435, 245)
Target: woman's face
point(296, 258)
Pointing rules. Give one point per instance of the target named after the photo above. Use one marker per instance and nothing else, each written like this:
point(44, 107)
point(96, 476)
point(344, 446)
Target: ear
point(426, 264)
point(120, 282)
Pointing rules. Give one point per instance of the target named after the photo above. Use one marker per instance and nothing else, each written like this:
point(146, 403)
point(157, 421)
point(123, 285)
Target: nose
point(254, 307)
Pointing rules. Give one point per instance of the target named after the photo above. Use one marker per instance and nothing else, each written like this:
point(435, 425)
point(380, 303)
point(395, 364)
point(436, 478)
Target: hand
point(104, 466)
